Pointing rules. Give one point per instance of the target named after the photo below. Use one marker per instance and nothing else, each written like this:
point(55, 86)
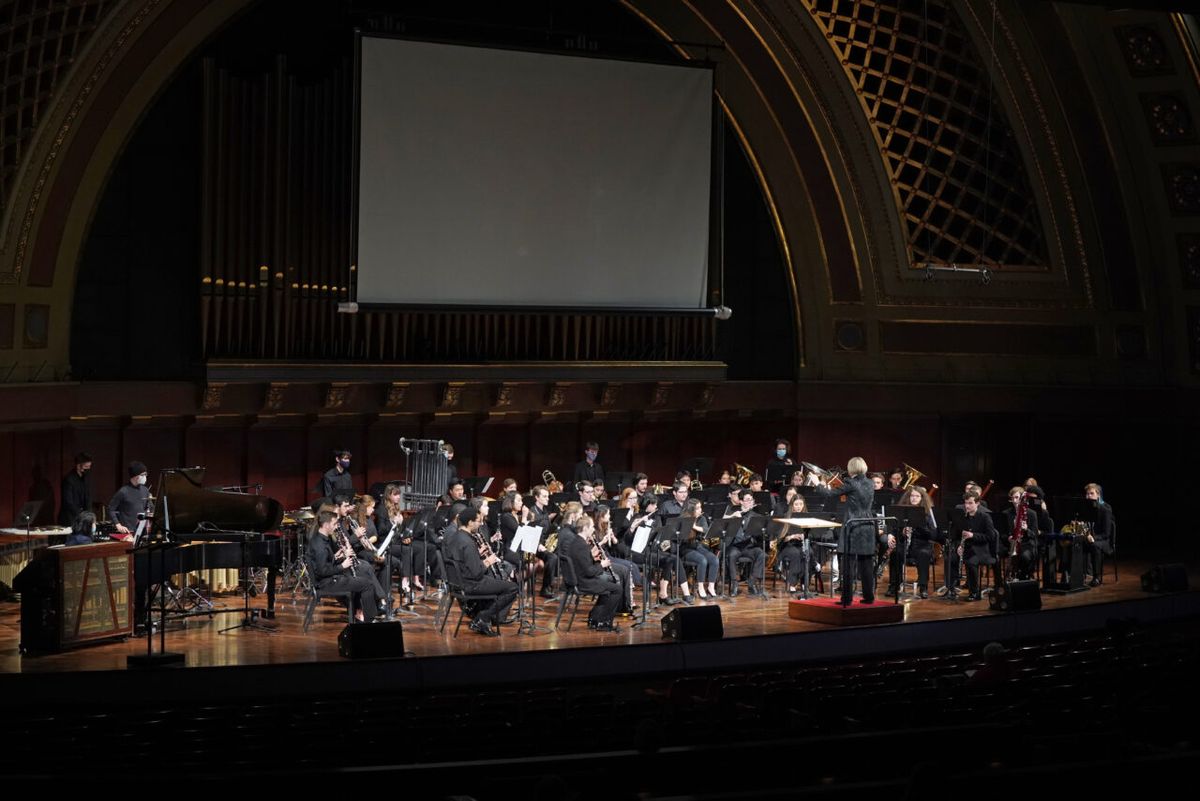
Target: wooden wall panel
point(277, 459)
point(156, 444)
point(504, 453)
point(37, 469)
point(552, 447)
point(221, 450)
point(382, 457)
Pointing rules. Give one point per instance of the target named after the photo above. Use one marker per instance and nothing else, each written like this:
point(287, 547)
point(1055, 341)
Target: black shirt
point(76, 497)
point(593, 472)
point(127, 504)
point(334, 482)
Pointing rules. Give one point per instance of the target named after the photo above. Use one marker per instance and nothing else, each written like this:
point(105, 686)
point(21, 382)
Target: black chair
point(456, 591)
point(328, 592)
point(570, 589)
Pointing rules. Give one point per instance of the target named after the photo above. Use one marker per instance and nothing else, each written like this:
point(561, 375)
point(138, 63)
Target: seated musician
point(976, 537)
point(667, 556)
point(641, 483)
point(973, 486)
point(647, 516)
point(725, 479)
point(466, 547)
point(507, 486)
point(514, 514)
point(695, 552)
point(756, 483)
point(1100, 542)
point(83, 529)
point(606, 537)
point(593, 573)
point(895, 479)
point(405, 558)
point(587, 497)
point(1018, 544)
point(877, 480)
point(739, 544)
point(673, 506)
point(335, 565)
point(789, 547)
point(784, 501)
point(919, 544)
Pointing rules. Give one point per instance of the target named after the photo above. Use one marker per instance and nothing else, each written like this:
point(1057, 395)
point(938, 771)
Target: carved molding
point(335, 395)
point(452, 395)
point(212, 397)
point(396, 394)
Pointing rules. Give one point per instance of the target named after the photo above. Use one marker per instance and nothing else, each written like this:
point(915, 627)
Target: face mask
point(141, 480)
point(780, 453)
point(591, 455)
point(345, 463)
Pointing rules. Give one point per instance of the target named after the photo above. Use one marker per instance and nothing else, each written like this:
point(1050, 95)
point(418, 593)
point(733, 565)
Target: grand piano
point(210, 529)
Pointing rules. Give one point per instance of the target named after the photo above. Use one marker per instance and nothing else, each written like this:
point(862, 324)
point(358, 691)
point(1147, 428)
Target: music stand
point(780, 474)
point(618, 480)
point(476, 485)
point(698, 466)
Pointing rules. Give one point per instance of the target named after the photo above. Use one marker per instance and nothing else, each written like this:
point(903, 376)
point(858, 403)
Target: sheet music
point(640, 538)
point(526, 539)
point(382, 549)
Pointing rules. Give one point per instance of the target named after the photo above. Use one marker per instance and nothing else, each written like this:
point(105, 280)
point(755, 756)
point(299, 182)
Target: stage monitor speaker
point(371, 640)
point(1165, 578)
point(1016, 596)
point(694, 623)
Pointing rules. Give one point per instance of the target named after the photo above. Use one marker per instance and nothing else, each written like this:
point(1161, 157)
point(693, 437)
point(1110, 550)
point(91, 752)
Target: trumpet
point(696, 485)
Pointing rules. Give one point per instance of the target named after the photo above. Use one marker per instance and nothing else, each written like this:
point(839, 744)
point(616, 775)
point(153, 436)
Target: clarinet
point(485, 550)
point(348, 550)
point(599, 555)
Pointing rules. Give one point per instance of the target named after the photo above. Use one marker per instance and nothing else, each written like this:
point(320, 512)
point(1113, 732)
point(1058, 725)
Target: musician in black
point(589, 469)
point(738, 544)
point(335, 565)
point(695, 552)
point(972, 539)
point(1023, 538)
point(337, 479)
point(76, 493)
point(593, 575)
point(1100, 542)
point(790, 547)
point(780, 464)
point(513, 515)
point(919, 544)
point(858, 542)
point(130, 501)
point(587, 497)
point(895, 480)
point(673, 506)
point(475, 570)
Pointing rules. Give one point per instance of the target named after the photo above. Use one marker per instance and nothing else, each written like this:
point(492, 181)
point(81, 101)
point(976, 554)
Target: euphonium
point(911, 476)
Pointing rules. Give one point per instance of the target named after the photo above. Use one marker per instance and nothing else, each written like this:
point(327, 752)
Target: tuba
point(911, 476)
point(742, 474)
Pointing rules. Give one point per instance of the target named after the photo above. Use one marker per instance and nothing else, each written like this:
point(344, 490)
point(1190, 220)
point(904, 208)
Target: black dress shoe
point(609, 627)
point(547, 593)
point(480, 627)
point(734, 590)
point(689, 600)
point(924, 594)
point(1094, 583)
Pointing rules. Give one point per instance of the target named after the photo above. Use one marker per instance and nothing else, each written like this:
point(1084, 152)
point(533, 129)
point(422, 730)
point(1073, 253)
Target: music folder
point(640, 538)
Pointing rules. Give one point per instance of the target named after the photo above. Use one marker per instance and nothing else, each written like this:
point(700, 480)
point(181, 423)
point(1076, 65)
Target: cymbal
point(806, 522)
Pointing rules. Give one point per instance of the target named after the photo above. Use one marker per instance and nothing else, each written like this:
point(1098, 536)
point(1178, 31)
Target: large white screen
point(499, 177)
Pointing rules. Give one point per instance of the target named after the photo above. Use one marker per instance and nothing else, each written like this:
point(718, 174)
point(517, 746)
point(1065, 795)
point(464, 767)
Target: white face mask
point(141, 480)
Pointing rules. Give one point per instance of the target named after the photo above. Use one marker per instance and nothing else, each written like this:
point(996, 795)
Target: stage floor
point(199, 639)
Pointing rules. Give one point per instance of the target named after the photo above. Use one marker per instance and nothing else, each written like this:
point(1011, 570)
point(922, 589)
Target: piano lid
point(186, 506)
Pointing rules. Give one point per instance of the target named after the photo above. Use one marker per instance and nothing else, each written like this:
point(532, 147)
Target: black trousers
point(793, 555)
point(758, 562)
point(365, 587)
point(862, 568)
point(502, 593)
point(922, 556)
point(608, 596)
point(973, 576)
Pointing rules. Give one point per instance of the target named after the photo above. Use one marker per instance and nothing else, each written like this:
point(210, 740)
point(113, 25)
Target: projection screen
point(509, 178)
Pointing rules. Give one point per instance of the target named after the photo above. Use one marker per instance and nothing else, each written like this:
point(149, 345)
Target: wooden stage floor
point(199, 638)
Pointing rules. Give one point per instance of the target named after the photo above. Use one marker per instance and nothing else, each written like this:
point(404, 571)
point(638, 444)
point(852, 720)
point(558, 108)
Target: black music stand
point(163, 658)
point(250, 617)
point(698, 466)
point(780, 474)
point(670, 531)
point(476, 485)
point(616, 481)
